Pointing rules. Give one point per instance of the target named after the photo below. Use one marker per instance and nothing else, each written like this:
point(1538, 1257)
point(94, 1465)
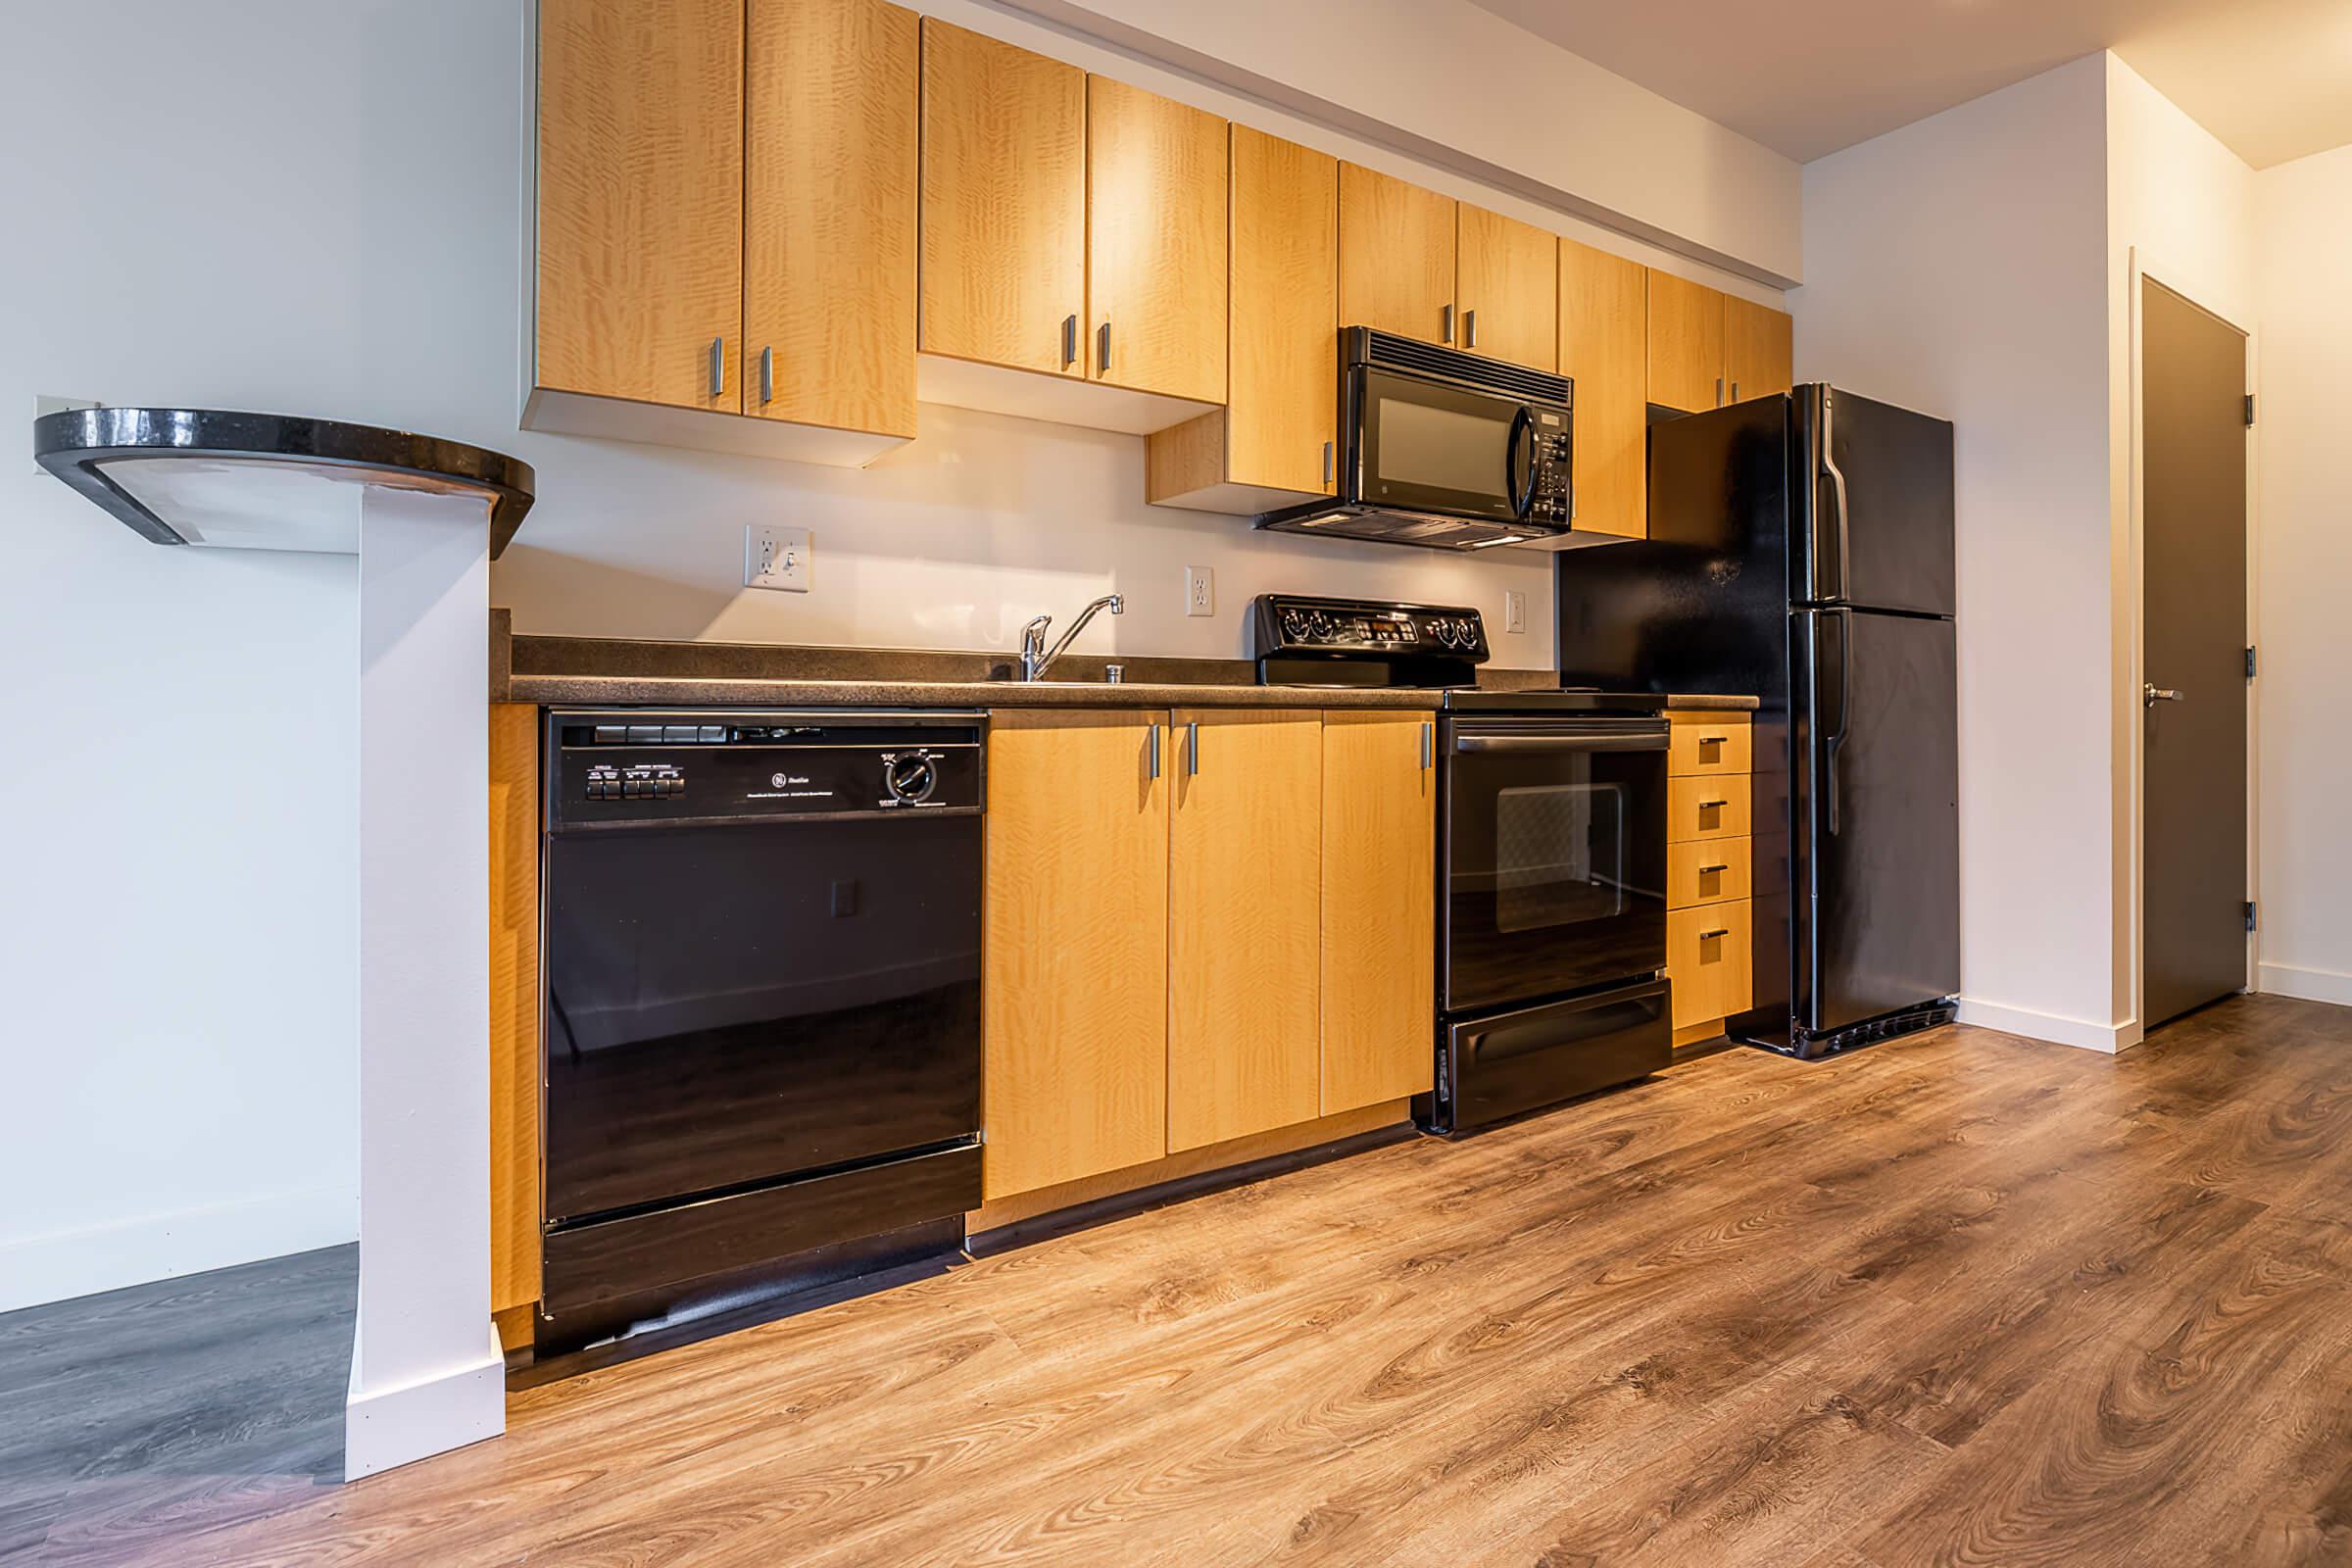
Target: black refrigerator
point(1800, 552)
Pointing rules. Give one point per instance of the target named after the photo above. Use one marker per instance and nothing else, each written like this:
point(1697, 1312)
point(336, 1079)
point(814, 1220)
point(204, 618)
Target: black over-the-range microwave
point(1446, 450)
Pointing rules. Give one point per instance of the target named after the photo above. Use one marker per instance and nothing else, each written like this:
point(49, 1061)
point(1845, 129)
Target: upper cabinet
point(1603, 349)
point(1686, 344)
point(1155, 184)
point(829, 214)
point(1507, 288)
point(1397, 251)
point(640, 202)
point(1273, 444)
point(1757, 350)
point(1003, 203)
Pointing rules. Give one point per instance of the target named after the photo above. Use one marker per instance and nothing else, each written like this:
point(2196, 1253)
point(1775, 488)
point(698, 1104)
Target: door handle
point(1710, 870)
point(2151, 695)
point(1720, 931)
point(767, 375)
point(1069, 341)
point(1192, 746)
point(718, 366)
point(1154, 748)
point(1470, 330)
point(1327, 454)
point(1719, 391)
point(1445, 315)
point(1429, 746)
point(1103, 348)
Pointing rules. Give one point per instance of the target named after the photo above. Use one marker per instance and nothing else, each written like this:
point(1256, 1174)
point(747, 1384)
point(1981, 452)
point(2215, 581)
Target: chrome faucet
point(1036, 659)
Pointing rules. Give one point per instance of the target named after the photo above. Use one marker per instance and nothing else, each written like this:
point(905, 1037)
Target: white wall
point(2304, 228)
point(312, 208)
point(2181, 208)
point(1957, 266)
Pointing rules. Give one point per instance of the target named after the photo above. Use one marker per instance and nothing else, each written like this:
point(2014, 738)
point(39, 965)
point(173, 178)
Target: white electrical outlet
point(1514, 610)
point(775, 558)
point(1199, 591)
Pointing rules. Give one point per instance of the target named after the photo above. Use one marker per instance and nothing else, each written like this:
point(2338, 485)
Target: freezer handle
point(1836, 478)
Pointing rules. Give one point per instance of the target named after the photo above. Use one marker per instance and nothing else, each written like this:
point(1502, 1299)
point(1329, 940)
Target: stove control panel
point(1300, 625)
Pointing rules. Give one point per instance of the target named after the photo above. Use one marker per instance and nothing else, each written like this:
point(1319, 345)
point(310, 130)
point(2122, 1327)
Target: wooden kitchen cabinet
point(1244, 923)
point(1156, 217)
point(1379, 921)
point(830, 173)
point(513, 1017)
point(1705, 808)
point(1273, 444)
point(1075, 1003)
point(1396, 256)
point(1603, 349)
point(1003, 270)
point(1710, 962)
point(1711, 869)
point(640, 202)
point(1686, 343)
point(1758, 350)
point(1507, 287)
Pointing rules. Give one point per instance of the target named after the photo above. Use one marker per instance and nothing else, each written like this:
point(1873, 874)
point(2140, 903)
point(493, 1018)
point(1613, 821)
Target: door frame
point(2132, 640)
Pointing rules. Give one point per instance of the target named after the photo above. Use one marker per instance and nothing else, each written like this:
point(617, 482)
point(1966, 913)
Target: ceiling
point(2272, 78)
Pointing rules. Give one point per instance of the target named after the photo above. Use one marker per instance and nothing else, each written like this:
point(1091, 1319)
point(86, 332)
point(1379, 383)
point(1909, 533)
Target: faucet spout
point(1037, 659)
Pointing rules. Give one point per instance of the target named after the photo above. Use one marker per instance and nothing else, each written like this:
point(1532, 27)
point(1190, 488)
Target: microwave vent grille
point(1387, 350)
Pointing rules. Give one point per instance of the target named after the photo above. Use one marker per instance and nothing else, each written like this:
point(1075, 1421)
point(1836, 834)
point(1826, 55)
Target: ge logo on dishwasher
point(777, 780)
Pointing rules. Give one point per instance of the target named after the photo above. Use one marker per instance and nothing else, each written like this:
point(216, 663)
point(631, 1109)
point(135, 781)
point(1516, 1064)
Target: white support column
point(426, 1374)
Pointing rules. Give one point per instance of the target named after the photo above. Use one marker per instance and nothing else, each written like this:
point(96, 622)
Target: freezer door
point(1878, 813)
point(1872, 488)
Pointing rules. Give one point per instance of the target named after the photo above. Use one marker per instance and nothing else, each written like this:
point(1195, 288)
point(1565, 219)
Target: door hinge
point(2249, 914)
point(2249, 664)
point(2249, 408)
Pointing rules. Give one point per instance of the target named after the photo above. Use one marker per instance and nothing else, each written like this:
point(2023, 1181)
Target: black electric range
point(1551, 869)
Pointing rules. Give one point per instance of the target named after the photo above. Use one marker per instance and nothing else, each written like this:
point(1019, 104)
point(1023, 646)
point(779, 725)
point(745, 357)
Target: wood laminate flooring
point(1960, 1298)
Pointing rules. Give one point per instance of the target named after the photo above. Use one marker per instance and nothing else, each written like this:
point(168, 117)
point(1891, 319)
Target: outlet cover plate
point(1199, 591)
point(1514, 610)
point(775, 558)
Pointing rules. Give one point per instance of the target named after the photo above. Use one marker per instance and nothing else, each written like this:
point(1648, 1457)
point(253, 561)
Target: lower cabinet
point(1075, 945)
point(1709, 871)
point(1201, 926)
point(1380, 790)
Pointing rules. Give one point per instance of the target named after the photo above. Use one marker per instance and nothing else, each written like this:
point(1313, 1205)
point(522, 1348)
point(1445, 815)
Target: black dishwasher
point(761, 1030)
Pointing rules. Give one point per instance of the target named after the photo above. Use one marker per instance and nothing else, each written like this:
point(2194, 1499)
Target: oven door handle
point(1536, 744)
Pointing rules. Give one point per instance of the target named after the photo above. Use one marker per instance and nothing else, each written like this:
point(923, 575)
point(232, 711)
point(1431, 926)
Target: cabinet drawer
point(1714, 745)
point(1709, 962)
point(1706, 806)
point(1707, 872)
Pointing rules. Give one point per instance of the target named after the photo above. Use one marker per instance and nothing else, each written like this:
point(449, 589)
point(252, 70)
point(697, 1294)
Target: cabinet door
point(1508, 289)
point(1603, 337)
point(1395, 257)
point(1155, 223)
point(829, 214)
point(1757, 350)
point(1686, 344)
point(1003, 208)
point(1709, 962)
point(1379, 914)
point(1075, 955)
point(1244, 903)
point(1284, 409)
point(640, 216)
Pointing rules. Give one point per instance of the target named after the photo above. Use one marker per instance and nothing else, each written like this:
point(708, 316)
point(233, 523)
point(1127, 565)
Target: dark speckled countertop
point(585, 671)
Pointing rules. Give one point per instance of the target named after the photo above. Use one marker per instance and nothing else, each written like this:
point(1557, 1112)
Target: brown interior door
point(2193, 911)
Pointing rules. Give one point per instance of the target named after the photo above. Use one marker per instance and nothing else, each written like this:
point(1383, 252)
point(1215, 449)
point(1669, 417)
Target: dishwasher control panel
point(609, 769)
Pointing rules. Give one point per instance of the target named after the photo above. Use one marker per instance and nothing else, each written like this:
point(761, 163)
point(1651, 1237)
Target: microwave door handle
point(1522, 494)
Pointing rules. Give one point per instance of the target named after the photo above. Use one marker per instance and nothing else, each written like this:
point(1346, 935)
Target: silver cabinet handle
point(1709, 936)
point(1155, 749)
point(1192, 746)
point(1710, 870)
point(2152, 695)
point(1103, 348)
point(1735, 391)
point(1719, 391)
point(1326, 454)
point(1429, 746)
point(1069, 341)
point(767, 375)
point(718, 366)
point(1470, 330)
point(1445, 314)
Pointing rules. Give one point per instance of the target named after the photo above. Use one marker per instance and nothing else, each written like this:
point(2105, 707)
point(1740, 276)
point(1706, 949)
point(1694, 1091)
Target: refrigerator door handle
point(1837, 737)
point(1836, 478)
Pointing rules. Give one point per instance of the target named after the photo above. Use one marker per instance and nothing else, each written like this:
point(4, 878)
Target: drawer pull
point(1709, 936)
point(1711, 806)
point(1710, 870)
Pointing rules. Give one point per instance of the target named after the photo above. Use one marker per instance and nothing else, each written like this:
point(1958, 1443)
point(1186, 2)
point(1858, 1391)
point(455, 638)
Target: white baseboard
point(2055, 1028)
point(2311, 985)
point(383, 1428)
point(64, 1264)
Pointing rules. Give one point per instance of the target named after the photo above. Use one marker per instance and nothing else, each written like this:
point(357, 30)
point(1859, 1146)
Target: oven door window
point(1559, 855)
point(1429, 447)
point(1554, 870)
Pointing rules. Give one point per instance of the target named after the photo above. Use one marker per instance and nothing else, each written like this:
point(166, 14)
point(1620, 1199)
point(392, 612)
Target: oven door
point(1554, 857)
point(1425, 446)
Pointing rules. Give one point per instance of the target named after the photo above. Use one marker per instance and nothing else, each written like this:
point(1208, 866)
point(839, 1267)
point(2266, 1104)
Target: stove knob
point(1444, 631)
point(1467, 631)
point(1294, 626)
point(909, 778)
point(1319, 624)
